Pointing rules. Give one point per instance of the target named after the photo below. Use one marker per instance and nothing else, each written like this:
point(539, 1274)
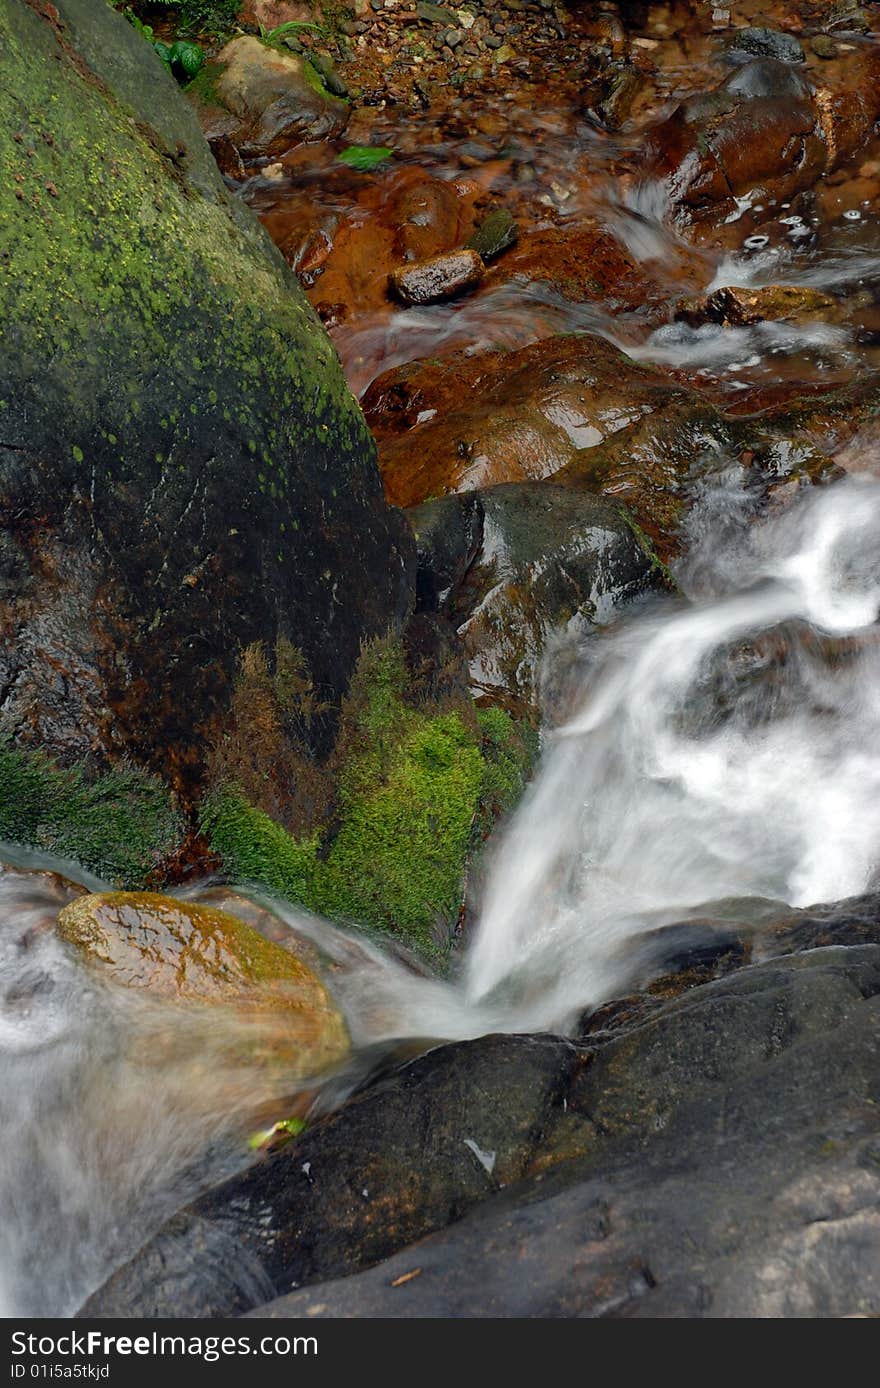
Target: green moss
point(417, 791)
point(399, 857)
point(256, 849)
point(119, 825)
point(91, 223)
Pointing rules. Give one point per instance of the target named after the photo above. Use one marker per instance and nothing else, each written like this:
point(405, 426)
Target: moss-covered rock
point(185, 952)
point(182, 469)
point(279, 98)
point(417, 790)
point(120, 825)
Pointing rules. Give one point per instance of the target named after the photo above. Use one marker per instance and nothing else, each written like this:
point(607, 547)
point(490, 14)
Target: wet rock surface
point(462, 1121)
point(181, 472)
point(517, 566)
point(441, 277)
point(470, 421)
point(714, 1156)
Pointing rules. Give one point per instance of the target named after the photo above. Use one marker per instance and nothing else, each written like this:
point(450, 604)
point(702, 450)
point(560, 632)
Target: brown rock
point(441, 277)
point(765, 130)
point(772, 303)
point(176, 950)
point(585, 264)
point(507, 417)
point(277, 96)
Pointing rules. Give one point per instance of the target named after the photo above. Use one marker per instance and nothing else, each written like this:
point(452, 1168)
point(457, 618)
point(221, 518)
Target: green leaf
point(364, 158)
point(273, 35)
point(187, 59)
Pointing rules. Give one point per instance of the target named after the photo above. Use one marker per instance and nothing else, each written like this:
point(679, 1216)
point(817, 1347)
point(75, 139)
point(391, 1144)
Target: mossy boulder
point(278, 98)
point(186, 952)
point(183, 471)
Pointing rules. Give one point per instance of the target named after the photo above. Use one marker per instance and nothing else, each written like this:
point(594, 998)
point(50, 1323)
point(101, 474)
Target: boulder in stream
point(717, 1155)
point(518, 566)
point(186, 952)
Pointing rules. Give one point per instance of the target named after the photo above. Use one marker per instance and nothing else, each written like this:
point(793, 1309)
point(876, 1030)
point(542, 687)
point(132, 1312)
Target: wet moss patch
point(120, 825)
point(417, 790)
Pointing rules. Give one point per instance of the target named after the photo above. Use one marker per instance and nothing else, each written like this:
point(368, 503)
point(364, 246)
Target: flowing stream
point(723, 746)
point(726, 745)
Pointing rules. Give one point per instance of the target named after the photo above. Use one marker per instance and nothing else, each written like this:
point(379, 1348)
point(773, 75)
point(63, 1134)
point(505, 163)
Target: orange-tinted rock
point(584, 263)
point(469, 422)
point(441, 277)
point(179, 951)
point(765, 130)
point(426, 215)
point(739, 307)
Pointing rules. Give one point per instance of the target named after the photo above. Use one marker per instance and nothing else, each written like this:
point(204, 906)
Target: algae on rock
point(183, 471)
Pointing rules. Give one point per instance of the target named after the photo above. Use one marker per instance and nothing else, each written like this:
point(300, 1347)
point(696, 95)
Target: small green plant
point(365, 158)
point(186, 60)
point(183, 58)
point(274, 37)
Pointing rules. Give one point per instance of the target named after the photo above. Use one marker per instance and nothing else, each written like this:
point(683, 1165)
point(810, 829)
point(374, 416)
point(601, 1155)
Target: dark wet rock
point(744, 44)
point(854, 921)
point(517, 567)
point(738, 306)
point(440, 277)
point(496, 233)
point(620, 87)
point(278, 98)
point(408, 1156)
point(764, 130)
point(729, 1167)
point(182, 469)
point(227, 158)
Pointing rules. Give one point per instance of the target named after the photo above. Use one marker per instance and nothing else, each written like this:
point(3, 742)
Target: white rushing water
point(725, 744)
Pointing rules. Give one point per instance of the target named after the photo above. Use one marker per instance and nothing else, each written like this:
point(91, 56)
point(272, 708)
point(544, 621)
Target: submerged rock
point(193, 953)
point(441, 277)
point(739, 307)
point(583, 263)
point(278, 97)
point(518, 566)
point(183, 471)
